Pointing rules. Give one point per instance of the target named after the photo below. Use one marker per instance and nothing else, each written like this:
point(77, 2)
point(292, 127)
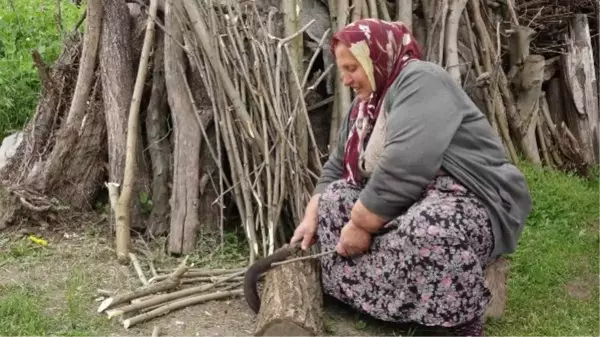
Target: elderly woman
point(419, 196)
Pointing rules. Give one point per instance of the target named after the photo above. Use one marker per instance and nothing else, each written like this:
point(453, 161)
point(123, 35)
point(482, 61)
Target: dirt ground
point(75, 265)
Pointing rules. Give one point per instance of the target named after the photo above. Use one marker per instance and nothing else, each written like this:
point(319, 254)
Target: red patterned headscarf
point(383, 49)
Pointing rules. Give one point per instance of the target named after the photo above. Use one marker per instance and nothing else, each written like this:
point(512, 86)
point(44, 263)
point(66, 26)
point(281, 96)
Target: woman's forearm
point(366, 219)
point(311, 208)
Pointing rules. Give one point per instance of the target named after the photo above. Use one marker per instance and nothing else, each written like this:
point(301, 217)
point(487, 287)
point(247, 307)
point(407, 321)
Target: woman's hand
point(306, 232)
point(308, 227)
point(353, 240)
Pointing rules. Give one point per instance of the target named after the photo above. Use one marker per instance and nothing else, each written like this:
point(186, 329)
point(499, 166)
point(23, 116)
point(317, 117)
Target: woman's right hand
point(308, 227)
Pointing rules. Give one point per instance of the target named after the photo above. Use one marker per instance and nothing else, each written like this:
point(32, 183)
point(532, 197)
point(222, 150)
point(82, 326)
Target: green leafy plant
point(146, 201)
point(27, 25)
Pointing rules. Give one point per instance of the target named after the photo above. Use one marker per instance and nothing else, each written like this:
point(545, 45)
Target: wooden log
point(436, 13)
point(295, 68)
point(419, 30)
point(531, 79)
point(342, 95)
point(580, 79)
point(529, 76)
point(551, 68)
point(186, 161)
point(159, 147)
point(404, 12)
point(496, 279)
point(116, 69)
point(292, 300)
point(455, 11)
point(543, 147)
point(518, 43)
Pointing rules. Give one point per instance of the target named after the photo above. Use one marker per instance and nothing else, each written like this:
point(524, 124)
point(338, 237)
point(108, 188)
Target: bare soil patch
point(75, 264)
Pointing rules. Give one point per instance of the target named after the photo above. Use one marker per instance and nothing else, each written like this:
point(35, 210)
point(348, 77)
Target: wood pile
point(168, 291)
point(550, 19)
point(292, 301)
point(566, 34)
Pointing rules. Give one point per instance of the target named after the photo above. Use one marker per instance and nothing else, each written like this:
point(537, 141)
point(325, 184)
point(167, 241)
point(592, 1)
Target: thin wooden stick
point(202, 32)
point(314, 58)
point(357, 9)
point(511, 10)
point(123, 207)
point(170, 296)
point(179, 304)
point(195, 272)
point(385, 13)
point(138, 268)
point(289, 39)
point(372, 5)
point(302, 258)
point(172, 282)
point(543, 147)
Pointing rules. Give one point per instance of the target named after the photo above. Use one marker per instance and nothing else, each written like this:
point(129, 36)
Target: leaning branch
point(123, 211)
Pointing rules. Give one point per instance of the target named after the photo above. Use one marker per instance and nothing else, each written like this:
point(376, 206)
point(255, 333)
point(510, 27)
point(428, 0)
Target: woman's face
point(353, 74)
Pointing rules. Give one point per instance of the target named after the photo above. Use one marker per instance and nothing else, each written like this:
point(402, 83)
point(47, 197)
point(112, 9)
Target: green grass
point(560, 245)
point(21, 311)
point(26, 25)
point(60, 308)
point(24, 311)
point(45, 291)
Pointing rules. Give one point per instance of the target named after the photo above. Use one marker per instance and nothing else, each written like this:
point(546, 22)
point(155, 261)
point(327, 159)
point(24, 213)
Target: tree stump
point(292, 300)
point(496, 279)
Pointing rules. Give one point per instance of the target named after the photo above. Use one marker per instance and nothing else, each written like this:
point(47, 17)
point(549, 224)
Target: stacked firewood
point(550, 20)
point(169, 291)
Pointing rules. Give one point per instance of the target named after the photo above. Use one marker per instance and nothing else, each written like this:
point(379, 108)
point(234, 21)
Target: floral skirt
point(424, 267)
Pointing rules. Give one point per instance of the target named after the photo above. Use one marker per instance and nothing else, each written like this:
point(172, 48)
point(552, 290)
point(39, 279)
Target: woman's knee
point(424, 236)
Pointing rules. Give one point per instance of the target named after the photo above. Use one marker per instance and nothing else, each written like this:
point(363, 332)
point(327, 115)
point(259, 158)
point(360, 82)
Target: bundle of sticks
point(550, 19)
point(169, 291)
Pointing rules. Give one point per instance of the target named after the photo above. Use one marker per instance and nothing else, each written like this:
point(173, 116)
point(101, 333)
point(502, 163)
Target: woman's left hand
point(353, 240)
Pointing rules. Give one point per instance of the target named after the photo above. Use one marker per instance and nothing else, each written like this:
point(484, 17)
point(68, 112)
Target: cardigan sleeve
point(423, 116)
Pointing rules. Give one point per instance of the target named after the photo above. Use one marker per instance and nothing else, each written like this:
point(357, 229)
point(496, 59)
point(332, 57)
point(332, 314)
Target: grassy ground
point(45, 291)
point(553, 284)
point(554, 273)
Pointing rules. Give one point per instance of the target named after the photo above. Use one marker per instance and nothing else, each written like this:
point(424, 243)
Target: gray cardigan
point(431, 124)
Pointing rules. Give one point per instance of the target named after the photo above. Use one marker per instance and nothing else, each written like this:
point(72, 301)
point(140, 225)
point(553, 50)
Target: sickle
point(261, 266)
